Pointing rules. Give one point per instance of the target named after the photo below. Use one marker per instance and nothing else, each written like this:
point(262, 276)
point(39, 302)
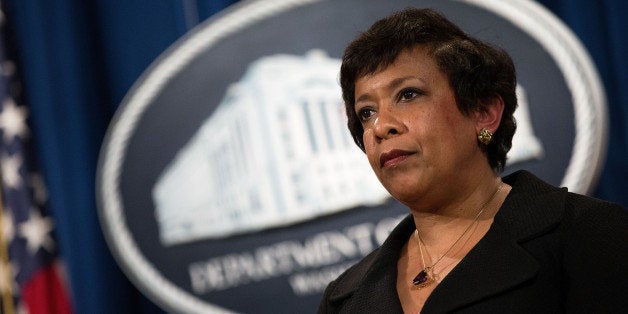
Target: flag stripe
point(44, 293)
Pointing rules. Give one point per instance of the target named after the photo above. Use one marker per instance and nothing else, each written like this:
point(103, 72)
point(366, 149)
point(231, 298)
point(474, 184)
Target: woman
point(433, 109)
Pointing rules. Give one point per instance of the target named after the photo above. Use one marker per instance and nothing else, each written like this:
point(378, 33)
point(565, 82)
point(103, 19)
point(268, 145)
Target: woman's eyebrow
point(392, 85)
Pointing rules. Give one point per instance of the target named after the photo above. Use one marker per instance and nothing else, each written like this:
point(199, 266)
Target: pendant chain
point(424, 277)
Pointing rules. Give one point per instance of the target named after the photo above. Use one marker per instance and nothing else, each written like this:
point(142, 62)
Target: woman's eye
point(365, 113)
point(408, 94)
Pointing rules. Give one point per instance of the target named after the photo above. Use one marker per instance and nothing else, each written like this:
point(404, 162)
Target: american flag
point(30, 272)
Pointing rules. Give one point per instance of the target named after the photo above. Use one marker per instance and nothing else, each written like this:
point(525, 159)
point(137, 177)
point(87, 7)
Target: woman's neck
point(452, 214)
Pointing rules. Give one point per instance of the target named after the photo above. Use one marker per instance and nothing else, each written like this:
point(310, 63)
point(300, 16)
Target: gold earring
point(485, 136)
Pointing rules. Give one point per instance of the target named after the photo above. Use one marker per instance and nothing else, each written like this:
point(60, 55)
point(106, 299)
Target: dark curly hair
point(477, 71)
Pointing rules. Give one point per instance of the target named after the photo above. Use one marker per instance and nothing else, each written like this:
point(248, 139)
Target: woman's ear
point(490, 116)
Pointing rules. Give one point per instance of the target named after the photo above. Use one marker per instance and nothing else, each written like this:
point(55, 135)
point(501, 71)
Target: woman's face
point(417, 141)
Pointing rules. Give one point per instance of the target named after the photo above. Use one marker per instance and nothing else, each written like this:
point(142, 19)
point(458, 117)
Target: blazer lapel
point(498, 262)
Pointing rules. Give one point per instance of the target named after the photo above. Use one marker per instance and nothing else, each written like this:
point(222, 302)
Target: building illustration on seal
point(275, 152)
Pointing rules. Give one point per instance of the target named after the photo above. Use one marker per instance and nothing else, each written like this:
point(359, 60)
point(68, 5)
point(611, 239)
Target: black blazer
point(547, 251)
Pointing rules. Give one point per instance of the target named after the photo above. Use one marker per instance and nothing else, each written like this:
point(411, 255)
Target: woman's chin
point(405, 195)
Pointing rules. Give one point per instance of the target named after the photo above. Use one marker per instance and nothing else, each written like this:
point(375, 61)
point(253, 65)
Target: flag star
point(11, 170)
point(13, 120)
point(36, 230)
point(8, 232)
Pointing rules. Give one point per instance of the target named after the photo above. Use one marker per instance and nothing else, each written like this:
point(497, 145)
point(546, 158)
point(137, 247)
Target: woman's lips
point(393, 157)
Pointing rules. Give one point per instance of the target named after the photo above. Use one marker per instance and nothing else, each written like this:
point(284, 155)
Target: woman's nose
point(387, 125)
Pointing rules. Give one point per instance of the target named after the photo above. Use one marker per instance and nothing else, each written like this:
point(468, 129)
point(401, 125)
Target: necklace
point(425, 277)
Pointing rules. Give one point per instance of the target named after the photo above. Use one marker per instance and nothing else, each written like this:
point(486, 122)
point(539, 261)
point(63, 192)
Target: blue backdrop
point(79, 58)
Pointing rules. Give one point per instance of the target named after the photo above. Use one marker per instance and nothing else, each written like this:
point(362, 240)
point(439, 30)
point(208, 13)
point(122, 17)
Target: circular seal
point(228, 181)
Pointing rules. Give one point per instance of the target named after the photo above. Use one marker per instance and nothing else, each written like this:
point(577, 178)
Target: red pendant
point(422, 279)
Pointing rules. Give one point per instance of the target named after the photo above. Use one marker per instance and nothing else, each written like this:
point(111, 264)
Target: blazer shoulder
point(587, 213)
point(344, 286)
point(378, 268)
point(595, 255)
point(594, 229)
